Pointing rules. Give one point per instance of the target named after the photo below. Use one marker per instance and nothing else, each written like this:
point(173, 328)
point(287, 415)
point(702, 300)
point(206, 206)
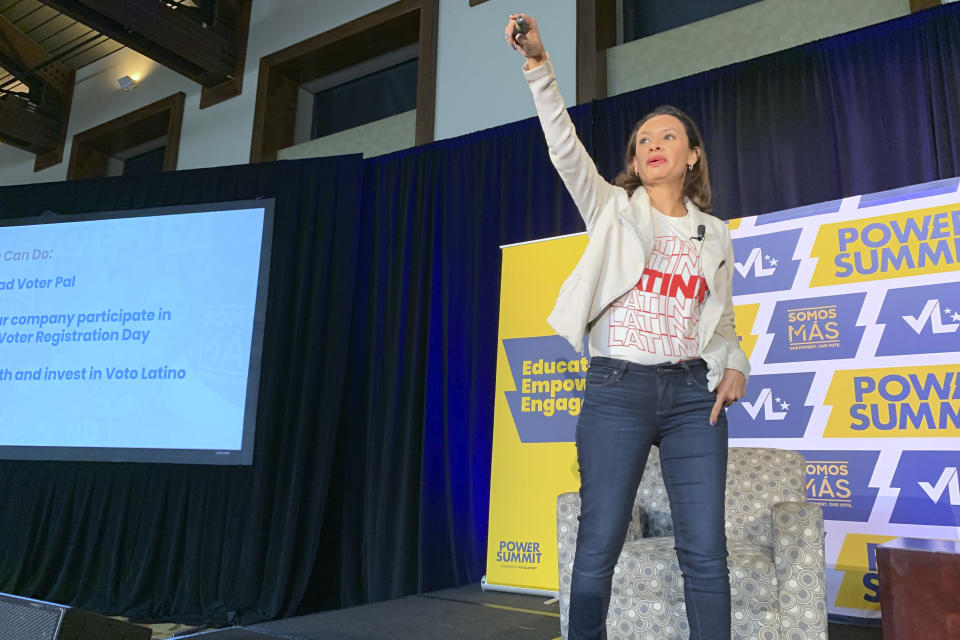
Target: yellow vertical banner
point(538, 390)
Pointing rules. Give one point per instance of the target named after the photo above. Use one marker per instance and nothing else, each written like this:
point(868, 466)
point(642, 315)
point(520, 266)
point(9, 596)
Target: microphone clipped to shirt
point(701, 231)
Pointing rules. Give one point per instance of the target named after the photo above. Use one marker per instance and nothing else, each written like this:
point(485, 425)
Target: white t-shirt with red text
point(656, 321)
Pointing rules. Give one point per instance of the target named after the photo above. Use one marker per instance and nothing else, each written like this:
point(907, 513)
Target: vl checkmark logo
point(755, 261)
point(765, 402)
point(931, 314)
point(948, 482)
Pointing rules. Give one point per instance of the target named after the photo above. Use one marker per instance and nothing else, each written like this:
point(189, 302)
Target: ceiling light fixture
point(128, 83)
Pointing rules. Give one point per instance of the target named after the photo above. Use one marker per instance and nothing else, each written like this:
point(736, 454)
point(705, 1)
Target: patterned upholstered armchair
point(775, 542)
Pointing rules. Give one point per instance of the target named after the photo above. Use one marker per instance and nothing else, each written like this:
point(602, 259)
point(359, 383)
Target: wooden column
point(596, 32)
point(920, 5)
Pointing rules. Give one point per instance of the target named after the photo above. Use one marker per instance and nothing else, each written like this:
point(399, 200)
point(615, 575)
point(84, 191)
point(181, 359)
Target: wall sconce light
point(128, 83)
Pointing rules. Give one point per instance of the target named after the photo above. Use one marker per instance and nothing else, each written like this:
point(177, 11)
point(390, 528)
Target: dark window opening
point(147, 163)
point(642, 18)
point(373, 97)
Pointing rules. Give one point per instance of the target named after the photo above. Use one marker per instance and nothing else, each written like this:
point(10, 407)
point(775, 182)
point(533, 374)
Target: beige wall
point(373, 139)
point(749, 32)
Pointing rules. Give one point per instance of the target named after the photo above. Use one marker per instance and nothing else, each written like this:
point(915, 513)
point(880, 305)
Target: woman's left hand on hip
point(732, 387)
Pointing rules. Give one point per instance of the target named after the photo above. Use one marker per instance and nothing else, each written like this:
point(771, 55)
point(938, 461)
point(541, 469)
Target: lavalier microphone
point(701, 231)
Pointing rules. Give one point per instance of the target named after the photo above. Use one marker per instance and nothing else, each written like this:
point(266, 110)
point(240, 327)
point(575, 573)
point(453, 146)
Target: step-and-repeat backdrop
point(850, 314)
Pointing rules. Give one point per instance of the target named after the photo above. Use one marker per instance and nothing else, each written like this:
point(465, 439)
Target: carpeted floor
point(464, 613)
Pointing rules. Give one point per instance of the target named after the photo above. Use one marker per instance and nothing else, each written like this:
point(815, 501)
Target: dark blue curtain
point(371, 474)
point(415, 475)
point(869, 110)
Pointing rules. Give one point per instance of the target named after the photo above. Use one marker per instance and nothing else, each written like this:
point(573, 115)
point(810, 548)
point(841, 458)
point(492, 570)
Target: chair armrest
point(801, 570)
point(568, 510)
point(638, 523)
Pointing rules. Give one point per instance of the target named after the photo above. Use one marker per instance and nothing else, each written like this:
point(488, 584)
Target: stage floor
point(463, 613)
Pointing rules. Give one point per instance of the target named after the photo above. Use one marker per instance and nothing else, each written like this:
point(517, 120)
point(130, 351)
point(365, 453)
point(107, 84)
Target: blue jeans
point(627, 408)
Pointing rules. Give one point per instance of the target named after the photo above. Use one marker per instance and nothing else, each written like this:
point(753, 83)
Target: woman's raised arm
point(576, 168)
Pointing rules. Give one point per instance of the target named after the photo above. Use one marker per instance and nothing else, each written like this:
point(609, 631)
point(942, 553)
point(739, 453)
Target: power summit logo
point(519, 554)
point(899, 244)
point(898, 402)
point(860, 587)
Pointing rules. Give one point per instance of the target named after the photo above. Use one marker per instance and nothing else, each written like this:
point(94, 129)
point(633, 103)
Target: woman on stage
point(653, 293)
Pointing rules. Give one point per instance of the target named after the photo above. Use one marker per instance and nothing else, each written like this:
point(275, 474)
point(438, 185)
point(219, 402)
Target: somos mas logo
point(890, 246)
point(920, 320)
point(550, 378)
point(816, 328)
point(896, 402)
point(838, 481)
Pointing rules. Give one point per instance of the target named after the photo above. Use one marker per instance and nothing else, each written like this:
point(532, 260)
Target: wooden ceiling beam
point(25, 128)
point(233, 17)
point(207, 53)
point(35, 121)
point(18, 48)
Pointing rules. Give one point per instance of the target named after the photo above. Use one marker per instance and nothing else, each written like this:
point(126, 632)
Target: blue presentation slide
point(129, 332)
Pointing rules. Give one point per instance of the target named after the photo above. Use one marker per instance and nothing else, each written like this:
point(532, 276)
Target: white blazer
point(620, 228)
